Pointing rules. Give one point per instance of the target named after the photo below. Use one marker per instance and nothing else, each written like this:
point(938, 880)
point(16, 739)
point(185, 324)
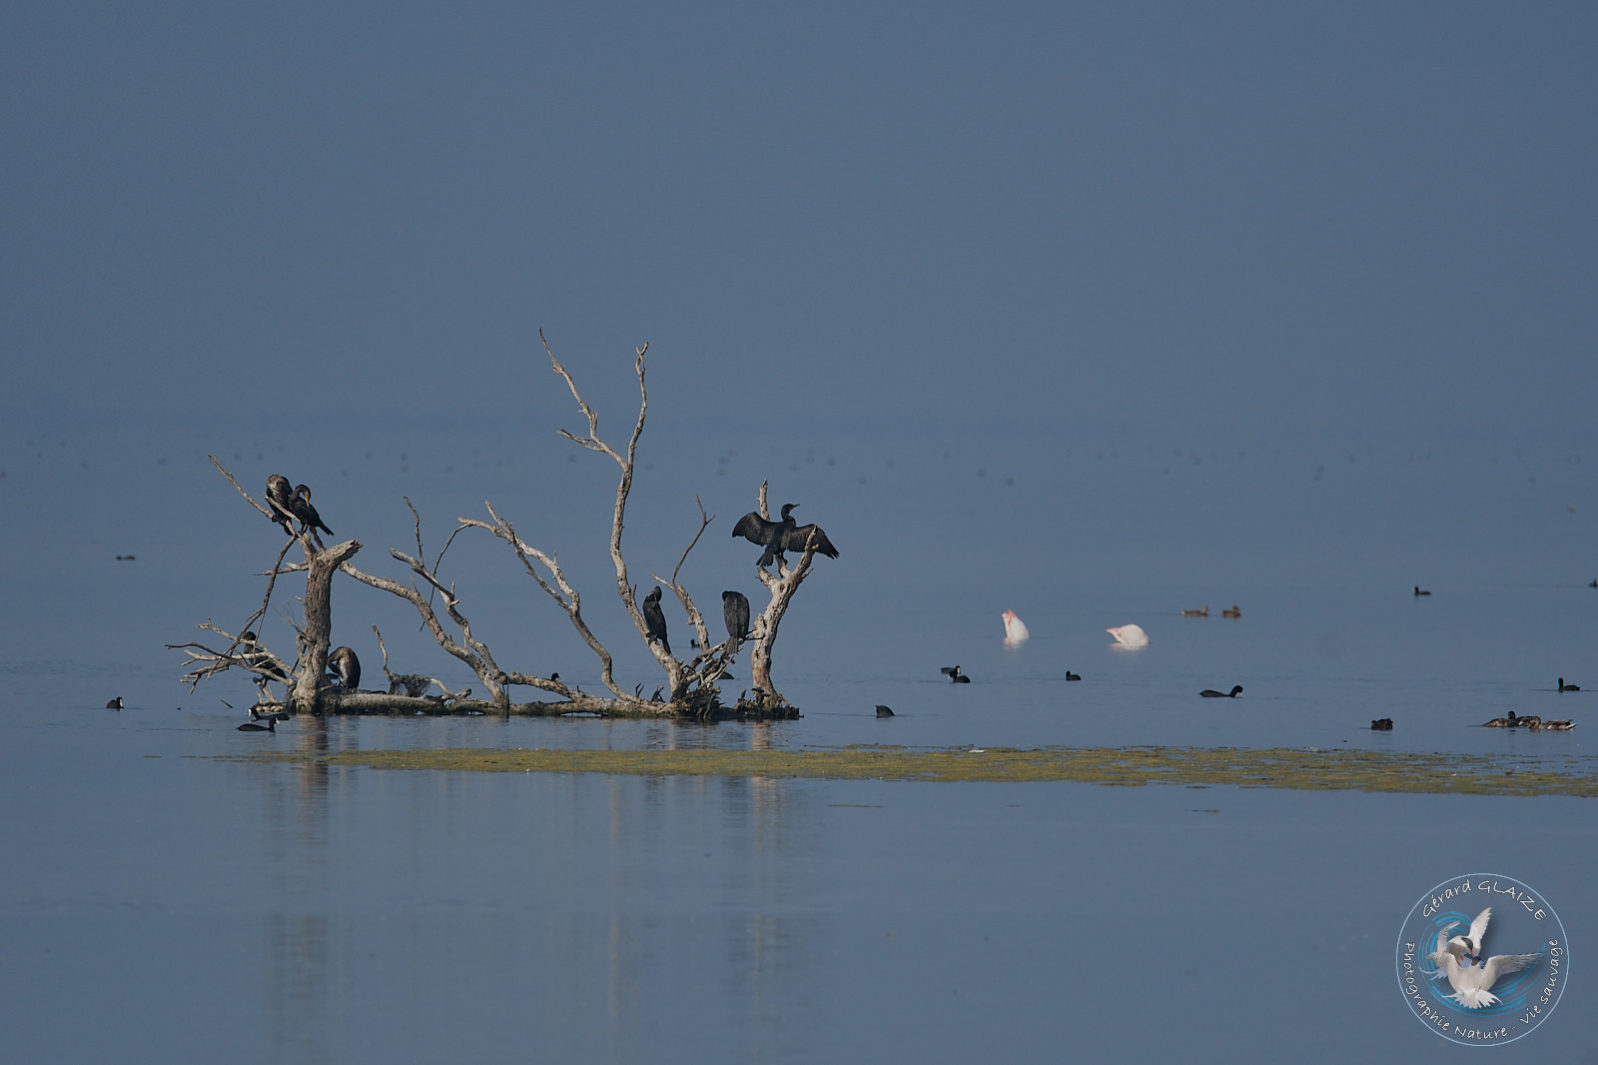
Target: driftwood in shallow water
point(691, 683)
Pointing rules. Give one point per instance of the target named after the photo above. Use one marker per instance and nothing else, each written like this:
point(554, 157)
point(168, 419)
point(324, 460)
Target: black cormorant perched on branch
point(259, 658)
point(655, 620)
point(280, 501)
point(735, 610)
point(780, 536)
point(346, 667)
point(305, 512)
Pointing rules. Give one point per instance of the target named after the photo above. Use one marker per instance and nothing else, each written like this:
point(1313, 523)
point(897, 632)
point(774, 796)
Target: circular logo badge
point(1482, 959)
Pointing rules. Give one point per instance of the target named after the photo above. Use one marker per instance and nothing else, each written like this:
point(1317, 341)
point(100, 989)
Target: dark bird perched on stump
point(1211, 693)
point(343, 664)
point(780, 536)
point(305, 512)
point(735, 610)
point(655, 620)
point(280, 501)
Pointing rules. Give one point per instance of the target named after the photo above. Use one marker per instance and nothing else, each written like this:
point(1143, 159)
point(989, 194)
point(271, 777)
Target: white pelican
point(1014, 629)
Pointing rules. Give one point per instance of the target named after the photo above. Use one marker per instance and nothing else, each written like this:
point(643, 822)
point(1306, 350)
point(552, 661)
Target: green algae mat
point(1350, 770)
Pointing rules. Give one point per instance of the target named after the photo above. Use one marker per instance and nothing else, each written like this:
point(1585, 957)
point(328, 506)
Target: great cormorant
point(259, 658)
point(735, 610)
point(280, 501)
point(655, 620)
point(780, 536)
point(256, 726)
point(307, 513)
point(954, 674)
point(114, 704)
point(1211, 693)
point(1568, 687)
point(884, 711)
point(346, 667)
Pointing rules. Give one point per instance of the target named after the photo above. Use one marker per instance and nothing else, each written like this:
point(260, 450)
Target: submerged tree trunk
point(311, 672)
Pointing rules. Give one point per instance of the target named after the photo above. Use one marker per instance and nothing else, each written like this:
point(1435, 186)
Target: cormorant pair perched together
point(289, 506)
point(780, 536)
point(734, 610)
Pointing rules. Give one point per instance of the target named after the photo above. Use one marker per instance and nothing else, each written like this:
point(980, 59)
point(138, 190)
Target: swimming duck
point(1568, 687)
point(1511, 720)
point(114, 704)
point(1015, 630)
point(954, 675)
point(1553, 726)
point(1202, 613)
point(1211, 693)
point(1382, 724)
point(1232, 613)
point(1421, 591)
point(256, 726)
point(1072, 676)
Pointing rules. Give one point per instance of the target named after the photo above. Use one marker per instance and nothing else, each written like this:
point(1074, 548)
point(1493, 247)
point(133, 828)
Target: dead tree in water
point(691, 682)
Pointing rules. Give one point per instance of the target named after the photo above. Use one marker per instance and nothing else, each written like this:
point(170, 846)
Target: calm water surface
point(158, 895)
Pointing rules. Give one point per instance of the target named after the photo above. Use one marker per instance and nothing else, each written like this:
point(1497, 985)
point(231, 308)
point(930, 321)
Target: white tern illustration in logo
point(1473, 984)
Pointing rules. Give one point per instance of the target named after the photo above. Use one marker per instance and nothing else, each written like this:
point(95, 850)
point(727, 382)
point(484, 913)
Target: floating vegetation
point(1279, 767)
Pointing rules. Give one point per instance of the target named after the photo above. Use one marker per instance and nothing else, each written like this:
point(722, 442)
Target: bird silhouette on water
point(884, 711)
point(1568, 687)
point(954, 675)
point(1211, 693)
point(1382, 724)
point(655, 619)
point(114, 704)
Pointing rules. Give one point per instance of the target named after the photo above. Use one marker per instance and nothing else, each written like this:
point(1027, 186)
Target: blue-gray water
point(161, 899)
